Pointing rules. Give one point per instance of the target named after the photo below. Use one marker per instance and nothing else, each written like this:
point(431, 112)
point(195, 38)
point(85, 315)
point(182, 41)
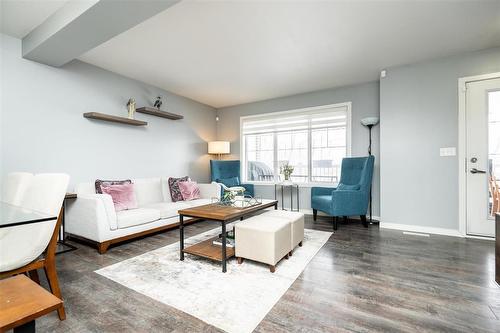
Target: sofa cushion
point(123, 196)
point(168, 209)
point(189, 190)
point(230, 182)
point(132, 217)
point(173, 184)
point(148, 191)
point(99, 183)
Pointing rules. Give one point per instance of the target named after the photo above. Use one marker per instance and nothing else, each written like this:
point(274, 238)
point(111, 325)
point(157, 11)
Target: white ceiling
point(19, 17)
point(231, 52)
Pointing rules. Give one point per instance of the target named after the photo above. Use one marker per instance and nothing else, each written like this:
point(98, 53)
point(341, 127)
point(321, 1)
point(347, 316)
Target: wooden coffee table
point(223, 215)
point(22, 301)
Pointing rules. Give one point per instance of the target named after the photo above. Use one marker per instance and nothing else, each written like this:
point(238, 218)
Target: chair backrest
point(357, 171)
point(15, 187)
point(21, 245)
point(224, 169)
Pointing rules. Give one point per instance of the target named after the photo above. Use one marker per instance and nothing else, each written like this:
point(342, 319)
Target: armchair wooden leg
point(335, 220)
point(315, 214)
point(363, 219)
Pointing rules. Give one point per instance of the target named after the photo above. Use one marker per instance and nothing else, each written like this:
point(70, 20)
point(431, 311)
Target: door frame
point(462, 144)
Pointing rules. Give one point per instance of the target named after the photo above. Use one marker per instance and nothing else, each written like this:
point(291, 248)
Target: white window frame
point(347, 105)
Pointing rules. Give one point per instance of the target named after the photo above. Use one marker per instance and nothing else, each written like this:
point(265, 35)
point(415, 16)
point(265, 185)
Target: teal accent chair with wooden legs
point(351, 196)
point(228, 173)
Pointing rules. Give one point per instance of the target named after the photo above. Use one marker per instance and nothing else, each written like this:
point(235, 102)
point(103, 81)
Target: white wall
point(419, 114)
point(43, 129)
point(365, 102)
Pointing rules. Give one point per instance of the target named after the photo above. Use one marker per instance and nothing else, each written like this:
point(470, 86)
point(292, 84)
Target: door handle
point(474, 170)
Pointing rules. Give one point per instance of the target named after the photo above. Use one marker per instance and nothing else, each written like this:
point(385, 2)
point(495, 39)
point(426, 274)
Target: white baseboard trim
point(421, 229)
point(309, 211)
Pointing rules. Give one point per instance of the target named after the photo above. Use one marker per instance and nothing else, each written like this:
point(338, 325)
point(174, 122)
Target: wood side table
point(292, 187)
point(22, 301)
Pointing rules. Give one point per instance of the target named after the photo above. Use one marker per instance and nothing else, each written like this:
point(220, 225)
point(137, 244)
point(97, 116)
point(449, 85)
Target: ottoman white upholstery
point(297, 224)
point(264, 239)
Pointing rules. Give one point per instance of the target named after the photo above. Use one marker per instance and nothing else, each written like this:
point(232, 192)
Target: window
point(312, 140)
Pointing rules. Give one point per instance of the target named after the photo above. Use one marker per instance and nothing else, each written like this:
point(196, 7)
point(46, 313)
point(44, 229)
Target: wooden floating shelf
point(114, 119)
point(159, 113)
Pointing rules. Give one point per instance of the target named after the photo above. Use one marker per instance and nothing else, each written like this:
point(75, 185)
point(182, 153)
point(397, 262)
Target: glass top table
point(14, 215)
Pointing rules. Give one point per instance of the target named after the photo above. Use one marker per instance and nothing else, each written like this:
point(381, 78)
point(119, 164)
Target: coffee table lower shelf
point(208, 250)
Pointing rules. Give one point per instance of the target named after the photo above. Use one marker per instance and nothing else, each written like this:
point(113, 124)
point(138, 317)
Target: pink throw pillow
point(189, 190)
point(123, 196)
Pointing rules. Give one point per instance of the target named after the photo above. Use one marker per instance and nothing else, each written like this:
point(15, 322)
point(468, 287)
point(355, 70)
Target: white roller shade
point(300, 120)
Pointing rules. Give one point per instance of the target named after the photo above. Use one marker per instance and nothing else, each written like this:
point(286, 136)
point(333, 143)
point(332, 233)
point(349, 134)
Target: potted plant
point(286, 170)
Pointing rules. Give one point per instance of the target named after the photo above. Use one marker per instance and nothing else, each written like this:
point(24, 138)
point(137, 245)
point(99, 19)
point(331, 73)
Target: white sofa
point(93, 217)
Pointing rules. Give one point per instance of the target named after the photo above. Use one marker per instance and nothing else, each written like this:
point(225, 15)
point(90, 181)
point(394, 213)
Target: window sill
point(305, 185)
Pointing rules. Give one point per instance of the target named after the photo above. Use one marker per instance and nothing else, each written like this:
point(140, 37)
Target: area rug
point(235, 301)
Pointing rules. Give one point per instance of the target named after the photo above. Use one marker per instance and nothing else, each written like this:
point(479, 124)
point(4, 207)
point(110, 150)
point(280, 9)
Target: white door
point(483, 156)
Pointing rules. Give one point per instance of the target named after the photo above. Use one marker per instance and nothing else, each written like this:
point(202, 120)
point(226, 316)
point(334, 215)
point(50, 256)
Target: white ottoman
point(297, 223)
point(264, 239)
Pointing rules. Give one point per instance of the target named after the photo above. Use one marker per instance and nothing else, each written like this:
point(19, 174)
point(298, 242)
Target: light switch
point(448, 151)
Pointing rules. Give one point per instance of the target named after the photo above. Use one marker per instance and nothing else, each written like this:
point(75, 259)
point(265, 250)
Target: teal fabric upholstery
point(225, 170)
point(229, 182)
point(352, 195)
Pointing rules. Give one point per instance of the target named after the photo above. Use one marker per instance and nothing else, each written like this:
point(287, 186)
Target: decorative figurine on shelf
point(158, 103)
point(286, 170)
point(131, 108)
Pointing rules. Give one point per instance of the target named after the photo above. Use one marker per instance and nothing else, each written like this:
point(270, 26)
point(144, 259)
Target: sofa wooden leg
point(103, 247)
point(240, 260)
point(300, 244)
point(335, 221)
point(363, 219)
point(272, 268)
point(290, 253)
point(287, 255)
point(315, 214)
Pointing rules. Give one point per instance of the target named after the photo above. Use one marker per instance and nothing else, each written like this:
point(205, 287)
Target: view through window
point(313, 141)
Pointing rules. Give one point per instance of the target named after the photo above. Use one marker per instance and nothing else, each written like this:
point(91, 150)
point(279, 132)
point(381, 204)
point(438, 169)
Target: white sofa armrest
point(91, 216)
point(209, 191)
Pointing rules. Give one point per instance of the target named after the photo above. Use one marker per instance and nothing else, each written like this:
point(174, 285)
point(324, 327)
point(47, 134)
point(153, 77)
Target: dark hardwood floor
point(362, 280)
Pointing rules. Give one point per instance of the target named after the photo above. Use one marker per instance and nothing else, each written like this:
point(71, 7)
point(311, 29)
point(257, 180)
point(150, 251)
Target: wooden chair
point(27, 248)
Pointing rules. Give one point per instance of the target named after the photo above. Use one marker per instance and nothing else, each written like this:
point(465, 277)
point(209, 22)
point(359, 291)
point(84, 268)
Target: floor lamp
point(370, 122)
point(218, 148)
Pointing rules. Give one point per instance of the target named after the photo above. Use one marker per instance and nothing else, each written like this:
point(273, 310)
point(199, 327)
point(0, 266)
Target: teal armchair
point(228, 173)
point(352, 194)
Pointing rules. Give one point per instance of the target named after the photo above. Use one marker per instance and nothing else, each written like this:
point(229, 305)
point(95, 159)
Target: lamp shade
point(218, 147)
point(369, 121)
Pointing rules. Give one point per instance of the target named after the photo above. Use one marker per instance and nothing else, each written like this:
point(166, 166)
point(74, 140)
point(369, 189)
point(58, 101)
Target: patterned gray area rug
point(236, 301)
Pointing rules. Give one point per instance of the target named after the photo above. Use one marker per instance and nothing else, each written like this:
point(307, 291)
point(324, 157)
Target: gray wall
point(419, 114)
point(43, 129)
point(365, 102)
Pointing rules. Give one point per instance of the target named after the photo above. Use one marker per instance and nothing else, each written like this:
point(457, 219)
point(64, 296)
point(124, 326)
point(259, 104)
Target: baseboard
point(308, 211)
point(421, 229)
